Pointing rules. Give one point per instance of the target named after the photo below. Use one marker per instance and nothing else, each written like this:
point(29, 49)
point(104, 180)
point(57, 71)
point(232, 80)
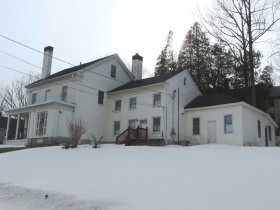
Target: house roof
point(211, 100)
point(143, 82)
point(70, 70)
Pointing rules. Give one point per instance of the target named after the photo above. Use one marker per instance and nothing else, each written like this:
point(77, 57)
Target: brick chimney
point(137, 64)
point(47, 62)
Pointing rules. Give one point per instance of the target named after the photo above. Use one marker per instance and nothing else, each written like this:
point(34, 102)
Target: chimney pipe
point(137, 63)
point(47, 62)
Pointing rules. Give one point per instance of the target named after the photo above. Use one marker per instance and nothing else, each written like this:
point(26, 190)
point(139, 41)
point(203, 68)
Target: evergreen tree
point(166, 62)
point(194, 56)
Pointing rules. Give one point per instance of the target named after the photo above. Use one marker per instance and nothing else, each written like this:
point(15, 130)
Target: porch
point(17, 128)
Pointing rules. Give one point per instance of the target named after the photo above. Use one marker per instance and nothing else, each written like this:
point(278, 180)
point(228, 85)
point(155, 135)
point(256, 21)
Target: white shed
point(223, 119)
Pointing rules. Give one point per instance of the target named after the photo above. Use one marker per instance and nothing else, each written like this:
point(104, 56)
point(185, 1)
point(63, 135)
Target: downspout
point(166, 115)
point(178, 116)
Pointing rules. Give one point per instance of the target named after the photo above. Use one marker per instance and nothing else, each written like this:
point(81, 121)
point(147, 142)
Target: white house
point(223, 119)
point(112, 99)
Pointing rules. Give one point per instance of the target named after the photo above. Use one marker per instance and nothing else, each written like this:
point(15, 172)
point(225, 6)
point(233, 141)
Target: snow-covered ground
point(128, 178)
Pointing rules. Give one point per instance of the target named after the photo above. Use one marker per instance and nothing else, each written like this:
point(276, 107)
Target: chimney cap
point(137, 56)
point(48, 48)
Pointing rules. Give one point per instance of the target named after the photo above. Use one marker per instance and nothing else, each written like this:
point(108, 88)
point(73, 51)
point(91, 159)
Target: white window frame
point(117, 132)
point(41, 123)
point(33, 98)
point(120, 107)
point(196, 126)
point(158, 126)
point(113, 71)
point(131, 120)
point(47, 92)
point(64, 93)
point(225, 124)
point(130, 103)
point(99, 95)
point(154, 100)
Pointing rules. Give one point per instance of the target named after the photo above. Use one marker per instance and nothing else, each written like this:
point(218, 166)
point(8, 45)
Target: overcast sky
point(84, 30)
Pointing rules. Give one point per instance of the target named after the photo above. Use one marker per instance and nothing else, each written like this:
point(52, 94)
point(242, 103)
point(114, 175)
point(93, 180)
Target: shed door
point(212, 131)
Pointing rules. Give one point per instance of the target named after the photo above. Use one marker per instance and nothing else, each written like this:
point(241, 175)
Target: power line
point(12, 40)
point(69, 80)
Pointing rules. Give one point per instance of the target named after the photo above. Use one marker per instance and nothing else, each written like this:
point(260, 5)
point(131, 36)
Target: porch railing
point(131, 135)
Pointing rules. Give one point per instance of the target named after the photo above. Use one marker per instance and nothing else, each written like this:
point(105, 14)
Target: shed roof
point(211, 100)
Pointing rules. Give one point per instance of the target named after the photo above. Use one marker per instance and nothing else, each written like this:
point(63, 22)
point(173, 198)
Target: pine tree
point(166, 62)
point(194, 55)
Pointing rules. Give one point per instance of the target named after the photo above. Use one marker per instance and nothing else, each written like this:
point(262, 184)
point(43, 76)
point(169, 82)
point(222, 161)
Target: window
point(64, 93)
point(157, 99)
point(113, 71)
point(33, 99)
point(41, 124)
point(118, 105)
point(117, 127)
point(47, 95)
point(185, 81)
point(196, 123)
point(100, 97)
point(228, 123)
point(259, 129)
point(132, 103)
point(269, 133)
point(156, 124)
point(132, 124)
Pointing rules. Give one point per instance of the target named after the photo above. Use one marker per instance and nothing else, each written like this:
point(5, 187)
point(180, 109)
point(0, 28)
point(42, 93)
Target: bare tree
point(14, 95)
point(96, 141)
point(76, 128)
point(240, 24)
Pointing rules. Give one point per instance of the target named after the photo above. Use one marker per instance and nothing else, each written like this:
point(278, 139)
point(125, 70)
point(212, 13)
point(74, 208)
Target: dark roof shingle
point(143, 82)
point(70, 70)
point(211, 100)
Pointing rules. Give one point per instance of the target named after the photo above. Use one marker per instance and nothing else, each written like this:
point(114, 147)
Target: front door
point(143, 124)
point(212, 131)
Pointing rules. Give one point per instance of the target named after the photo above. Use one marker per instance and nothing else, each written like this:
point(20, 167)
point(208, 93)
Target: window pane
point(132, 104)
point(34, 96)
point(117, 128)
point(118, 105)
point(259, 128)
point(156, 124)
point(64, 93)
point(132, 124)
point(100, 97)
point(228, 124)
point(196, 126)
point(41, 124)
point(113, 71)
point(157, 99)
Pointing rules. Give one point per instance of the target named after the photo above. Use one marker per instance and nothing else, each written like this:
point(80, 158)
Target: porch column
point(8, 127)
point(18, 119)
